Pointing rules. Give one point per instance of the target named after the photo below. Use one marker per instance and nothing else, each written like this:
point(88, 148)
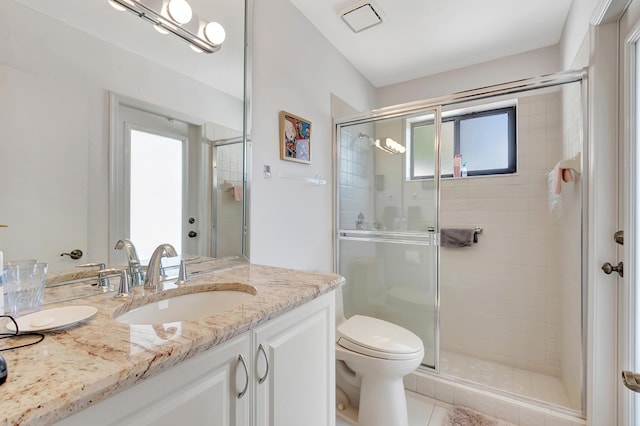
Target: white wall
point(524, 65)
point(576, 29)
point(295, 69)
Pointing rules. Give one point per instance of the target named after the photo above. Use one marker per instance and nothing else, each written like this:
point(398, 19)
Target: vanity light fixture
point(176, 17)
point(180, 11)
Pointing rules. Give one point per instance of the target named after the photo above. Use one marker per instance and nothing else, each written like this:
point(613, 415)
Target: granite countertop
point(96, 358)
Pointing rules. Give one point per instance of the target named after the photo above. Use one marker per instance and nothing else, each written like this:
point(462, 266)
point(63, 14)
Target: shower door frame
point(214, 186)
point(436, 105)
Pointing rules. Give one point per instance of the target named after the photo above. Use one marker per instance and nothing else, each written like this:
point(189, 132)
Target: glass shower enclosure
point(387, 225)
point(504, 312)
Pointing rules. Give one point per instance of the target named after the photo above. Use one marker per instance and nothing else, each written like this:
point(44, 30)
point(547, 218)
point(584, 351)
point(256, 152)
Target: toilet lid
point(378, 338)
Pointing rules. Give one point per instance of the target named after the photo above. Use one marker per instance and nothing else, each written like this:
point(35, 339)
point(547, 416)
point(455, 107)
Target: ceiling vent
point(360, 17)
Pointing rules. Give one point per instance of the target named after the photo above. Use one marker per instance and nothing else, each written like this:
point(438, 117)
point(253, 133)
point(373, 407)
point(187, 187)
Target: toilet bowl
point(372, 358)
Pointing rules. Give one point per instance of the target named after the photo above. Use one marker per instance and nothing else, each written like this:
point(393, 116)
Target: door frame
point(629, 43)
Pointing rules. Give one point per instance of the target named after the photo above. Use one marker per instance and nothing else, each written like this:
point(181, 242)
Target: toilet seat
point(377, 338)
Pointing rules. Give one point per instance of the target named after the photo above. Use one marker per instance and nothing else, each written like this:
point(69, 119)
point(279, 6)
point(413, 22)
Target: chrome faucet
point(132, 259)
point(103, 278)
point(155, 263)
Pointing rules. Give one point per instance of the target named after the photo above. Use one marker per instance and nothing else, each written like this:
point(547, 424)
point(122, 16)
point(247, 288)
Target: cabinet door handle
point(246, 375)
point(266, 359)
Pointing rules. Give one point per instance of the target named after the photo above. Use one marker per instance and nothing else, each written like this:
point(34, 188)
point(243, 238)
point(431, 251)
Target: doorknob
point(631, 380)
point(609, 268)
point(192, 234)
point(74, 254)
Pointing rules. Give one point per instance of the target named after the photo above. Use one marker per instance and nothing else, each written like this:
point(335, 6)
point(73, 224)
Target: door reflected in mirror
point(176, 184)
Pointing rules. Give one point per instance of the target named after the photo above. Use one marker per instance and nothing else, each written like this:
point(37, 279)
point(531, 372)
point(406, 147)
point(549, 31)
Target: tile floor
point(522, 382)
point(423, 411)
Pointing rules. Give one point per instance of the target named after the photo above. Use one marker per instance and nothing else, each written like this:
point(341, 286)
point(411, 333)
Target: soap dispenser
point(456, 165)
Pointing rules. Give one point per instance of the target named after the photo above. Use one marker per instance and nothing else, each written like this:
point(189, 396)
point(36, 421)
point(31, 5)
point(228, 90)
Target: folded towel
point(560, 175)
point(236, 193)
point(452, 237)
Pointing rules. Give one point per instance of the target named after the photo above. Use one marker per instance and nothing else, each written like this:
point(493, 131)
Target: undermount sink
point(185, 307)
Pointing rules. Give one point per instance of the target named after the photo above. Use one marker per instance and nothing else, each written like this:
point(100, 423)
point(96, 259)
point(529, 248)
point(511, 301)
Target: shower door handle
point(618, 237)
point(631, 380)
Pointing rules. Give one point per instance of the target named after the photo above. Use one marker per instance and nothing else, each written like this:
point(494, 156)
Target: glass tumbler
point(24, 286)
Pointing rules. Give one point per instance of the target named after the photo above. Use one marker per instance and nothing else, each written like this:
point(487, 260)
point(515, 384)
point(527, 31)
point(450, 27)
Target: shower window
point(486, 141)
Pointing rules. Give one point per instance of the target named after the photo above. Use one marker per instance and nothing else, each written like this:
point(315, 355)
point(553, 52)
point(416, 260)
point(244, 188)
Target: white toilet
point(372, 357)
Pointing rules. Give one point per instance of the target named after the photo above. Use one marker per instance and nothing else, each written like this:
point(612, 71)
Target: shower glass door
point(387, 218)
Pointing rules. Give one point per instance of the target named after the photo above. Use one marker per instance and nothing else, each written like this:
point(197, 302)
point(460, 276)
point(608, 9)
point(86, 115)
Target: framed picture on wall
point(295, 138)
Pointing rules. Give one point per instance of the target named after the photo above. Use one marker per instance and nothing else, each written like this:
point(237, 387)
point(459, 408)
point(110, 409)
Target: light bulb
point(180, 11)
point(215, 33)
point(117, 6)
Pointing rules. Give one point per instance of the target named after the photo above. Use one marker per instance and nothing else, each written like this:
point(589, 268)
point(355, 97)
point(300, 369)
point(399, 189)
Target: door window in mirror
point(156, 191)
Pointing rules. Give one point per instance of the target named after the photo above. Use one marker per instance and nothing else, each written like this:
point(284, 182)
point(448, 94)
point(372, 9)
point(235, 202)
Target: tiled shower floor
point(522, 382)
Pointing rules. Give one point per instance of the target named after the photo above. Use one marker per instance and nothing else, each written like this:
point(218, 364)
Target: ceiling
point(418, 38)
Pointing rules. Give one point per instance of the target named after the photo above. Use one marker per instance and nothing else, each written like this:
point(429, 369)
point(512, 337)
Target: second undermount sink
point(185, 307)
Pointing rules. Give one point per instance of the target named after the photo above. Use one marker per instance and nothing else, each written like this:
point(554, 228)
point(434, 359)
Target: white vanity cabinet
point(232, 385)
point(295, 367)
point(203, 390)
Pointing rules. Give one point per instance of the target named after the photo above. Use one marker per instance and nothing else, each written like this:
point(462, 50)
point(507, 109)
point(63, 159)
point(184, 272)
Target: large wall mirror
point(107, 126)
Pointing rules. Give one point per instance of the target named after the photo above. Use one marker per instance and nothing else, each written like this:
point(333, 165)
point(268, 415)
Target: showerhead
point(364, 137)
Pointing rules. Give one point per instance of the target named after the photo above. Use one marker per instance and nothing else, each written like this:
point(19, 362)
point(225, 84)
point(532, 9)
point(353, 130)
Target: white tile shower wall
point(357, 260)
point(356, 175)
point(500, 299)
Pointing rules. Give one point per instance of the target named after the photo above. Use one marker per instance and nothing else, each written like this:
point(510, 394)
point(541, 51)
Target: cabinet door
point(201, 391)
point(297, 386)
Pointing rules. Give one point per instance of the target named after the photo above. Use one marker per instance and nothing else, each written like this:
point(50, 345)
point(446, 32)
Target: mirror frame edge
point(247, 120)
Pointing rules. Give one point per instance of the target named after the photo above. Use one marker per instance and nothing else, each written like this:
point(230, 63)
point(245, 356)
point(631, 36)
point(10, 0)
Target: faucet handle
point(183, 275)
point(124, 290)
point(103, 278)
point(155, 265)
